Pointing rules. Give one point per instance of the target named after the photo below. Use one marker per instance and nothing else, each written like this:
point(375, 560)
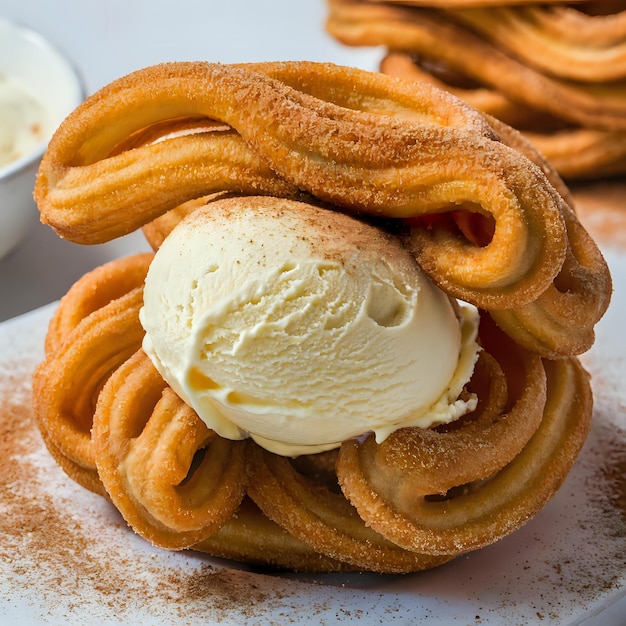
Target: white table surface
point(107, 39)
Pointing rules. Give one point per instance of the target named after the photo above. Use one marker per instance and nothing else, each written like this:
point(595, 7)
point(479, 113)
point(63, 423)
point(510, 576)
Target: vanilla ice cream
point(302, 327)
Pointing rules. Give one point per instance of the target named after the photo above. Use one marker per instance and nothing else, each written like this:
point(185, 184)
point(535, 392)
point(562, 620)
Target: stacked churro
point(555, 71)
point(323, 196)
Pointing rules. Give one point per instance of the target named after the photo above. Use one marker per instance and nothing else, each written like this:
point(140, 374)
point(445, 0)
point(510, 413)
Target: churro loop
point(93, 331)
point(478, 446)
point(596, 24)
point(377, 148)
point(173, 480)
point(324, 520)
point(583, 153)
point(93, 291)
point(384, 482)
point(438, 34)
point(562, 320)
point(247, 535)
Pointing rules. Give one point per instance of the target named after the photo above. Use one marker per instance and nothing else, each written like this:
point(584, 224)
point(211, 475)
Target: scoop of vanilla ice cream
point(302, 327)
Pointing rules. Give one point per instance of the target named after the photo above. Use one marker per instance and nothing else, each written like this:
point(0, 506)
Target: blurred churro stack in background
point(556, 70)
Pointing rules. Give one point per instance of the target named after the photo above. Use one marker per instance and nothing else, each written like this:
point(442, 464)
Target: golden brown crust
point(383, 481)
point(324, 519)
point(179, 485)
point(252, 538)
point(557, 41)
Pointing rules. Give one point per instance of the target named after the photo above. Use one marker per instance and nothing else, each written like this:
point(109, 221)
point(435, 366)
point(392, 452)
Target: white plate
point(67, 558)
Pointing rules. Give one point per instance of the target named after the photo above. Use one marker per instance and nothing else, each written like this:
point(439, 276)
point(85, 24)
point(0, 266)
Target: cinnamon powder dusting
point(68, 549)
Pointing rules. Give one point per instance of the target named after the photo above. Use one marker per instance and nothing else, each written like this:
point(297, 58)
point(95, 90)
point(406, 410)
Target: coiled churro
point(89, 337)
point(485, 215)
point(146, 439)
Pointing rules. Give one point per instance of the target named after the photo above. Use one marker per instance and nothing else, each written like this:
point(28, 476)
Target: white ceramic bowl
point(41, 70)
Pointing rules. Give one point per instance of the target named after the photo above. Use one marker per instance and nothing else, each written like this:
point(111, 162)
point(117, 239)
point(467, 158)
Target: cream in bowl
point(23, 121)
point(39, 87)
